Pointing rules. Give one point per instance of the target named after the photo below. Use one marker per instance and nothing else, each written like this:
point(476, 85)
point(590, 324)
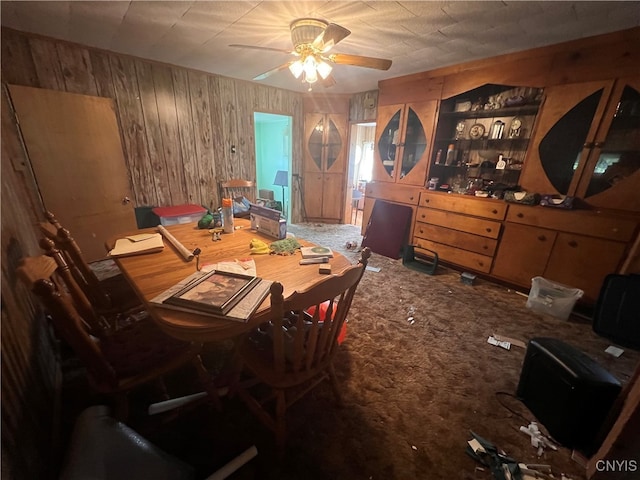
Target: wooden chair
point(294, 352)
point(116, 361)
point(110, 295)
point(237, 187)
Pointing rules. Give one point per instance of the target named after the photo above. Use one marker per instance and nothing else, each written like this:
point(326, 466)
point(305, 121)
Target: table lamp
point(282, 180)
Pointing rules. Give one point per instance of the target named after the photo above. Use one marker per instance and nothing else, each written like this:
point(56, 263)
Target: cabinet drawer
point(454, 238)
point(393, 193)
point(574, 221)
point(464, 258)
point(477, 226)
point(480, 207)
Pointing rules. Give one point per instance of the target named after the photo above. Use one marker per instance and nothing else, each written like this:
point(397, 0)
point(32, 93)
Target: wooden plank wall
point(177, 129)
point(178, 125)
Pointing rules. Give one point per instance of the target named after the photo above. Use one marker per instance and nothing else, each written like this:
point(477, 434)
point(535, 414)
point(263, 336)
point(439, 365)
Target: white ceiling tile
point(416, 35)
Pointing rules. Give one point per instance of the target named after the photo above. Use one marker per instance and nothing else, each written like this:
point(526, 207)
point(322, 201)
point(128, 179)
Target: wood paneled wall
point(177, 129)
point(178, 125)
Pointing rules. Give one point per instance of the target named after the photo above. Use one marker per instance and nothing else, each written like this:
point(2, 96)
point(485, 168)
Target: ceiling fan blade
point(264, 75)
point(330, 81)
point(255, 47)
point(359, 61)
point(331, 35)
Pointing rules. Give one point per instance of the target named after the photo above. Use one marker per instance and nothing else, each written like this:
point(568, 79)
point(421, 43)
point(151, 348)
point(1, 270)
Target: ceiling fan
point(312, 39)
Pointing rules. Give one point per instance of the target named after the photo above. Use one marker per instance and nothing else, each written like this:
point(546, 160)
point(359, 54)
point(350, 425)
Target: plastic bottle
point(227, 215)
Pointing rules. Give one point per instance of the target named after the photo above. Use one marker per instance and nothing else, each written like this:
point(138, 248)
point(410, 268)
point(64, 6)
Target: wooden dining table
point(153, 273)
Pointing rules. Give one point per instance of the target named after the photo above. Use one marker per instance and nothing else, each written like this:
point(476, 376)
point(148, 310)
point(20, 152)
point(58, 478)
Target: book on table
point(217, 294)
point(316, 252)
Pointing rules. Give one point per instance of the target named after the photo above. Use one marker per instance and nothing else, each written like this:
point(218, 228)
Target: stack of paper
point(137, 244)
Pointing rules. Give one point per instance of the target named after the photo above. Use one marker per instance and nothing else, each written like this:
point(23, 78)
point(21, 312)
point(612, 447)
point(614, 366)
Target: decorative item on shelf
point(523, 198)
point(433, 183)
point(497, 129)
point(476, 131)
point(557, 201)
point(451, 154)
point(459, 130)
point(438, 157)
point(477, 105)
point(515, 127)
point(501, 164)
point(462, 106)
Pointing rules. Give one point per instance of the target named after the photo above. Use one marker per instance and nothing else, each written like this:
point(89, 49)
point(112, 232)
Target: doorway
point(362, 138)
point(273, 156)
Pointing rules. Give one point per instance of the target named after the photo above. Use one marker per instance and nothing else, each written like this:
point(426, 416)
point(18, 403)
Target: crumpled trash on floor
point(501, 465)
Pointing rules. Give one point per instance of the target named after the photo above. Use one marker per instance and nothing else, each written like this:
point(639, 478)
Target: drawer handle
point(520, 215)
point(485, 247)
point(488, 230)
point(573, 243)
point(426, 200)
point(481, 264)
point(411, 198)
point(542, 238)
point(424, 216)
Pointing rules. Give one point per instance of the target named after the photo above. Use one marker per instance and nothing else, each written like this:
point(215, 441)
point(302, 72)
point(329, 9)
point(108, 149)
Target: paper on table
point(245, 266)
point(126, 246)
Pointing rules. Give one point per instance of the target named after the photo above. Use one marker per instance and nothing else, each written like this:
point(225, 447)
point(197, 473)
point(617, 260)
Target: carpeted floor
point(413, 390)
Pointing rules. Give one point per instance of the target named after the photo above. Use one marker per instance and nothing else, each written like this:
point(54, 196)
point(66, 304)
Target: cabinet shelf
point(529, 109)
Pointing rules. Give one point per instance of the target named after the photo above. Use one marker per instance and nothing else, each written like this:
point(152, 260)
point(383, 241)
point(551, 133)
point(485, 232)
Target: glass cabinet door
point(618, 156)
point(415, 143)
point(388, 143)
point(334, 143)
point(562, 146)
point(315, 143)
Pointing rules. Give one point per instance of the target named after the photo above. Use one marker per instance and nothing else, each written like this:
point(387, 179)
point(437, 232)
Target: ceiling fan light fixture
point(296, 68)
point(324, 69)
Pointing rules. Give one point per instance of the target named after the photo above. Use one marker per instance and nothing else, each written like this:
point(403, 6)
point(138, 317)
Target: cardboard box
point(268, 221)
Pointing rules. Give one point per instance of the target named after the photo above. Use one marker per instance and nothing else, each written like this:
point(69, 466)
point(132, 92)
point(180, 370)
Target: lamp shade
point(282, 178)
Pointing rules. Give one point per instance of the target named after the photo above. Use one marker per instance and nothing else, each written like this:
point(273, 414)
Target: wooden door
point(73, 144)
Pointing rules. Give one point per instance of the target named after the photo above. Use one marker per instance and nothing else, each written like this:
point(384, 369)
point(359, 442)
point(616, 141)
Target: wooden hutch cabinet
point(402, 147)
point(513, 122)
point(325, 158)
point(587, 144)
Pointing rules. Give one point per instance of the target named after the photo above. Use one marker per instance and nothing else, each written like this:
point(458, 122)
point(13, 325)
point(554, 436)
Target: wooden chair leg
point(280, 431)
point(334, 385)
point(207, 382)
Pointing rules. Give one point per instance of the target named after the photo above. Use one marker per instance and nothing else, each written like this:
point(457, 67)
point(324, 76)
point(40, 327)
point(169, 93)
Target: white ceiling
point(417, 36)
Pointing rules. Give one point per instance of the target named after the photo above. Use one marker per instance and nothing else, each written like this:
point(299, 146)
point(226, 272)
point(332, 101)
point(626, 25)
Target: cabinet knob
point(488, 230)
point(411, 198)
point(520, 215)
point(494, 211)
point(426, 200)
point(485, 247)
point(424, 216)
point(573, 244)
point(481, 264)
point(542, 238)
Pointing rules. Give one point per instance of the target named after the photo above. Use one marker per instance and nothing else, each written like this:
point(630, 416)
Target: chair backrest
point(43, 276)
point(78, 266)
point(306, 326)
point(238, 187)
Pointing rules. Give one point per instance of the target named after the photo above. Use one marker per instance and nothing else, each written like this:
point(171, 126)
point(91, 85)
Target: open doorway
point(273, 159)
point(362, 138)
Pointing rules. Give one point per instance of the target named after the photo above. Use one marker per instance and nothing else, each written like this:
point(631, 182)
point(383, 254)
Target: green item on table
point(286, 246)
point(205, 221)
